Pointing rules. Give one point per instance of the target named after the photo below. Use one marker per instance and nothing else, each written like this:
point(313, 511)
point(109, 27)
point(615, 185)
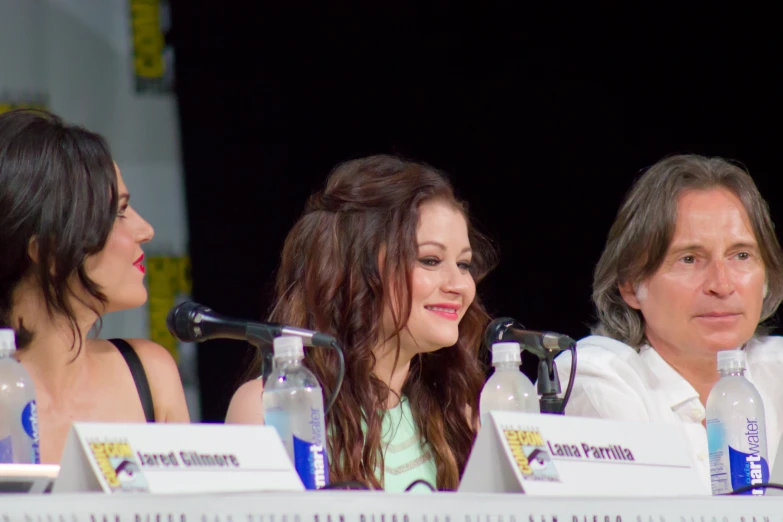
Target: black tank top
point(139, 376)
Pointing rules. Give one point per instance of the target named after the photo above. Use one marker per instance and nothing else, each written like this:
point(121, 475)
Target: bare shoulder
point(155, 358)
point(158, 362)
point(153, 352)
point(247, 405)
point(164, 379)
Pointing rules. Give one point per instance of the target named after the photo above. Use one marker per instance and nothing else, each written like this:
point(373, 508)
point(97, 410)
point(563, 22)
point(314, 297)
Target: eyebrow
point(696, 246)
point(442, 246)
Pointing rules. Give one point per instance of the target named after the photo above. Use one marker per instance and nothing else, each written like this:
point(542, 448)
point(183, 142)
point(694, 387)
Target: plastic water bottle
point(18, 412)
point(508, 389)
point(294, 405)
point(736, 431)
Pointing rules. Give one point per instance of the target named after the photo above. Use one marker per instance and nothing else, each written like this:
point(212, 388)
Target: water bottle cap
point(288, 346)
point(731, 360)
point(7, 341)
point(506, 352)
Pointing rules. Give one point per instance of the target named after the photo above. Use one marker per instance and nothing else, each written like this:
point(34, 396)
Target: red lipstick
point(138, 264)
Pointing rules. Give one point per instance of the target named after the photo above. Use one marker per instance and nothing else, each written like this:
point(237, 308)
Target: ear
point(628, 293)
point(32, 249)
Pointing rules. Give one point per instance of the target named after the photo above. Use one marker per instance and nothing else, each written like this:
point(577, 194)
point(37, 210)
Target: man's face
point(707, 295)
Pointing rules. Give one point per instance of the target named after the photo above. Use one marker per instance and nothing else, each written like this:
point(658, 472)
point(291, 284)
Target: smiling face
point(707, 295)
point(442, 287)
point(118, 268)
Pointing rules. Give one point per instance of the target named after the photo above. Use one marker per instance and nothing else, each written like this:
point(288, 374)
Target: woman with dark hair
point(72, 252)
point(385, 260)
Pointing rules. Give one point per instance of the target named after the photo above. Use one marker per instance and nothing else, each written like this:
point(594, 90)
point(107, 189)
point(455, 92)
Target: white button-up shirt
point(613, 381)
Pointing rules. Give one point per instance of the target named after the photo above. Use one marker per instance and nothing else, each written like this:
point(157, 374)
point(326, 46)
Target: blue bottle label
point(6, 451)
point(30, 425)
point(311, 463)
point(748, 468)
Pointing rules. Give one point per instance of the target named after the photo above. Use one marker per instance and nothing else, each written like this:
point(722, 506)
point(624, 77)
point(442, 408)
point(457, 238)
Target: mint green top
point(406, 456)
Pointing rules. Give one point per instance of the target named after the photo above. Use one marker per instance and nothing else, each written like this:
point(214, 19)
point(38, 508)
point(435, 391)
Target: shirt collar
point(666, 380)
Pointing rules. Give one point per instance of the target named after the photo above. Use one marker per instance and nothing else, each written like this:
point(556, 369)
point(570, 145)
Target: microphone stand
point(549, 385)
point(262, 339)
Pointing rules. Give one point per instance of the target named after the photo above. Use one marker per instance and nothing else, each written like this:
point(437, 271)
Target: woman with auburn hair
point(385, 260)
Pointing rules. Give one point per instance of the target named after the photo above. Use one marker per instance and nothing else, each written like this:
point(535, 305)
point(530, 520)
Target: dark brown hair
point(330, 280)
point(58, 190)
point(644, 227)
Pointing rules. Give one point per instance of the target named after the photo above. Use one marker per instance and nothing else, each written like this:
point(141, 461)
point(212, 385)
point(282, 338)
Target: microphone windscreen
point(180, 321)
point(496, 329)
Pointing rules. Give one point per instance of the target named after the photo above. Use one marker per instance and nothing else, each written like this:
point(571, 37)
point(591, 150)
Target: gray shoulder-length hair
point(643, 230)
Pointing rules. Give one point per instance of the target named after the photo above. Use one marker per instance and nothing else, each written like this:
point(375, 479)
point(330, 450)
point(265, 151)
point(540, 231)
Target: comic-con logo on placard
point(119, 467)
point(531, 454)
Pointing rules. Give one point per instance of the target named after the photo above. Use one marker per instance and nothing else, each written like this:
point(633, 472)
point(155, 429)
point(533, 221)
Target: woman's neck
point(393, 375)
point(56, 357)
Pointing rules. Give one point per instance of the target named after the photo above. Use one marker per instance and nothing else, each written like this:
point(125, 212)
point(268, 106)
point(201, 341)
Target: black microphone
point(543, 344)
point(192, 322)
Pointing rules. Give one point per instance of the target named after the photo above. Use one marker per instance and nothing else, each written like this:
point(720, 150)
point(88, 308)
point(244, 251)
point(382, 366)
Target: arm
point(246, 405)
point(165, 383)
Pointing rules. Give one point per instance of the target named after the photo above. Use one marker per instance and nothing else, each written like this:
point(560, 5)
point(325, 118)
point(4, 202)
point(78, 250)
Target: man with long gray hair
point(691, 267)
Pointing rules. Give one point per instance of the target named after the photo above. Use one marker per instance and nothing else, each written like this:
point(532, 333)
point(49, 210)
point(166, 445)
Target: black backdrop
point(542, 119)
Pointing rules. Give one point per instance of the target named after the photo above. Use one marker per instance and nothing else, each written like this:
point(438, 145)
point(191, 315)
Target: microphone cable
point(749, 487)
point(340, 375)
point(571, 376)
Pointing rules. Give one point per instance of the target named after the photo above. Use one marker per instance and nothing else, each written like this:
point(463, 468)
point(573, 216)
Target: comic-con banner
point(153, 55)
point(10, 100)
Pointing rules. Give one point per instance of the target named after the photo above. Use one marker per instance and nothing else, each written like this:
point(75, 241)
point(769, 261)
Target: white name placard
point(554, 455)
point(27, 478)
point(174, 458)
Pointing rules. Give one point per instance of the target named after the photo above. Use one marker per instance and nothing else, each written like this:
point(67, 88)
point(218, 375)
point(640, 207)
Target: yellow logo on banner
point(147, 38)
point(9, 103)
point(167, 279)
point(149, 23)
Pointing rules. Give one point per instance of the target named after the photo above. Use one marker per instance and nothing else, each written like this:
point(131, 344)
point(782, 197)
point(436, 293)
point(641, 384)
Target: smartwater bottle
point(736, 432)
point(18, 412)
point(508, 389)
point(294, 405)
